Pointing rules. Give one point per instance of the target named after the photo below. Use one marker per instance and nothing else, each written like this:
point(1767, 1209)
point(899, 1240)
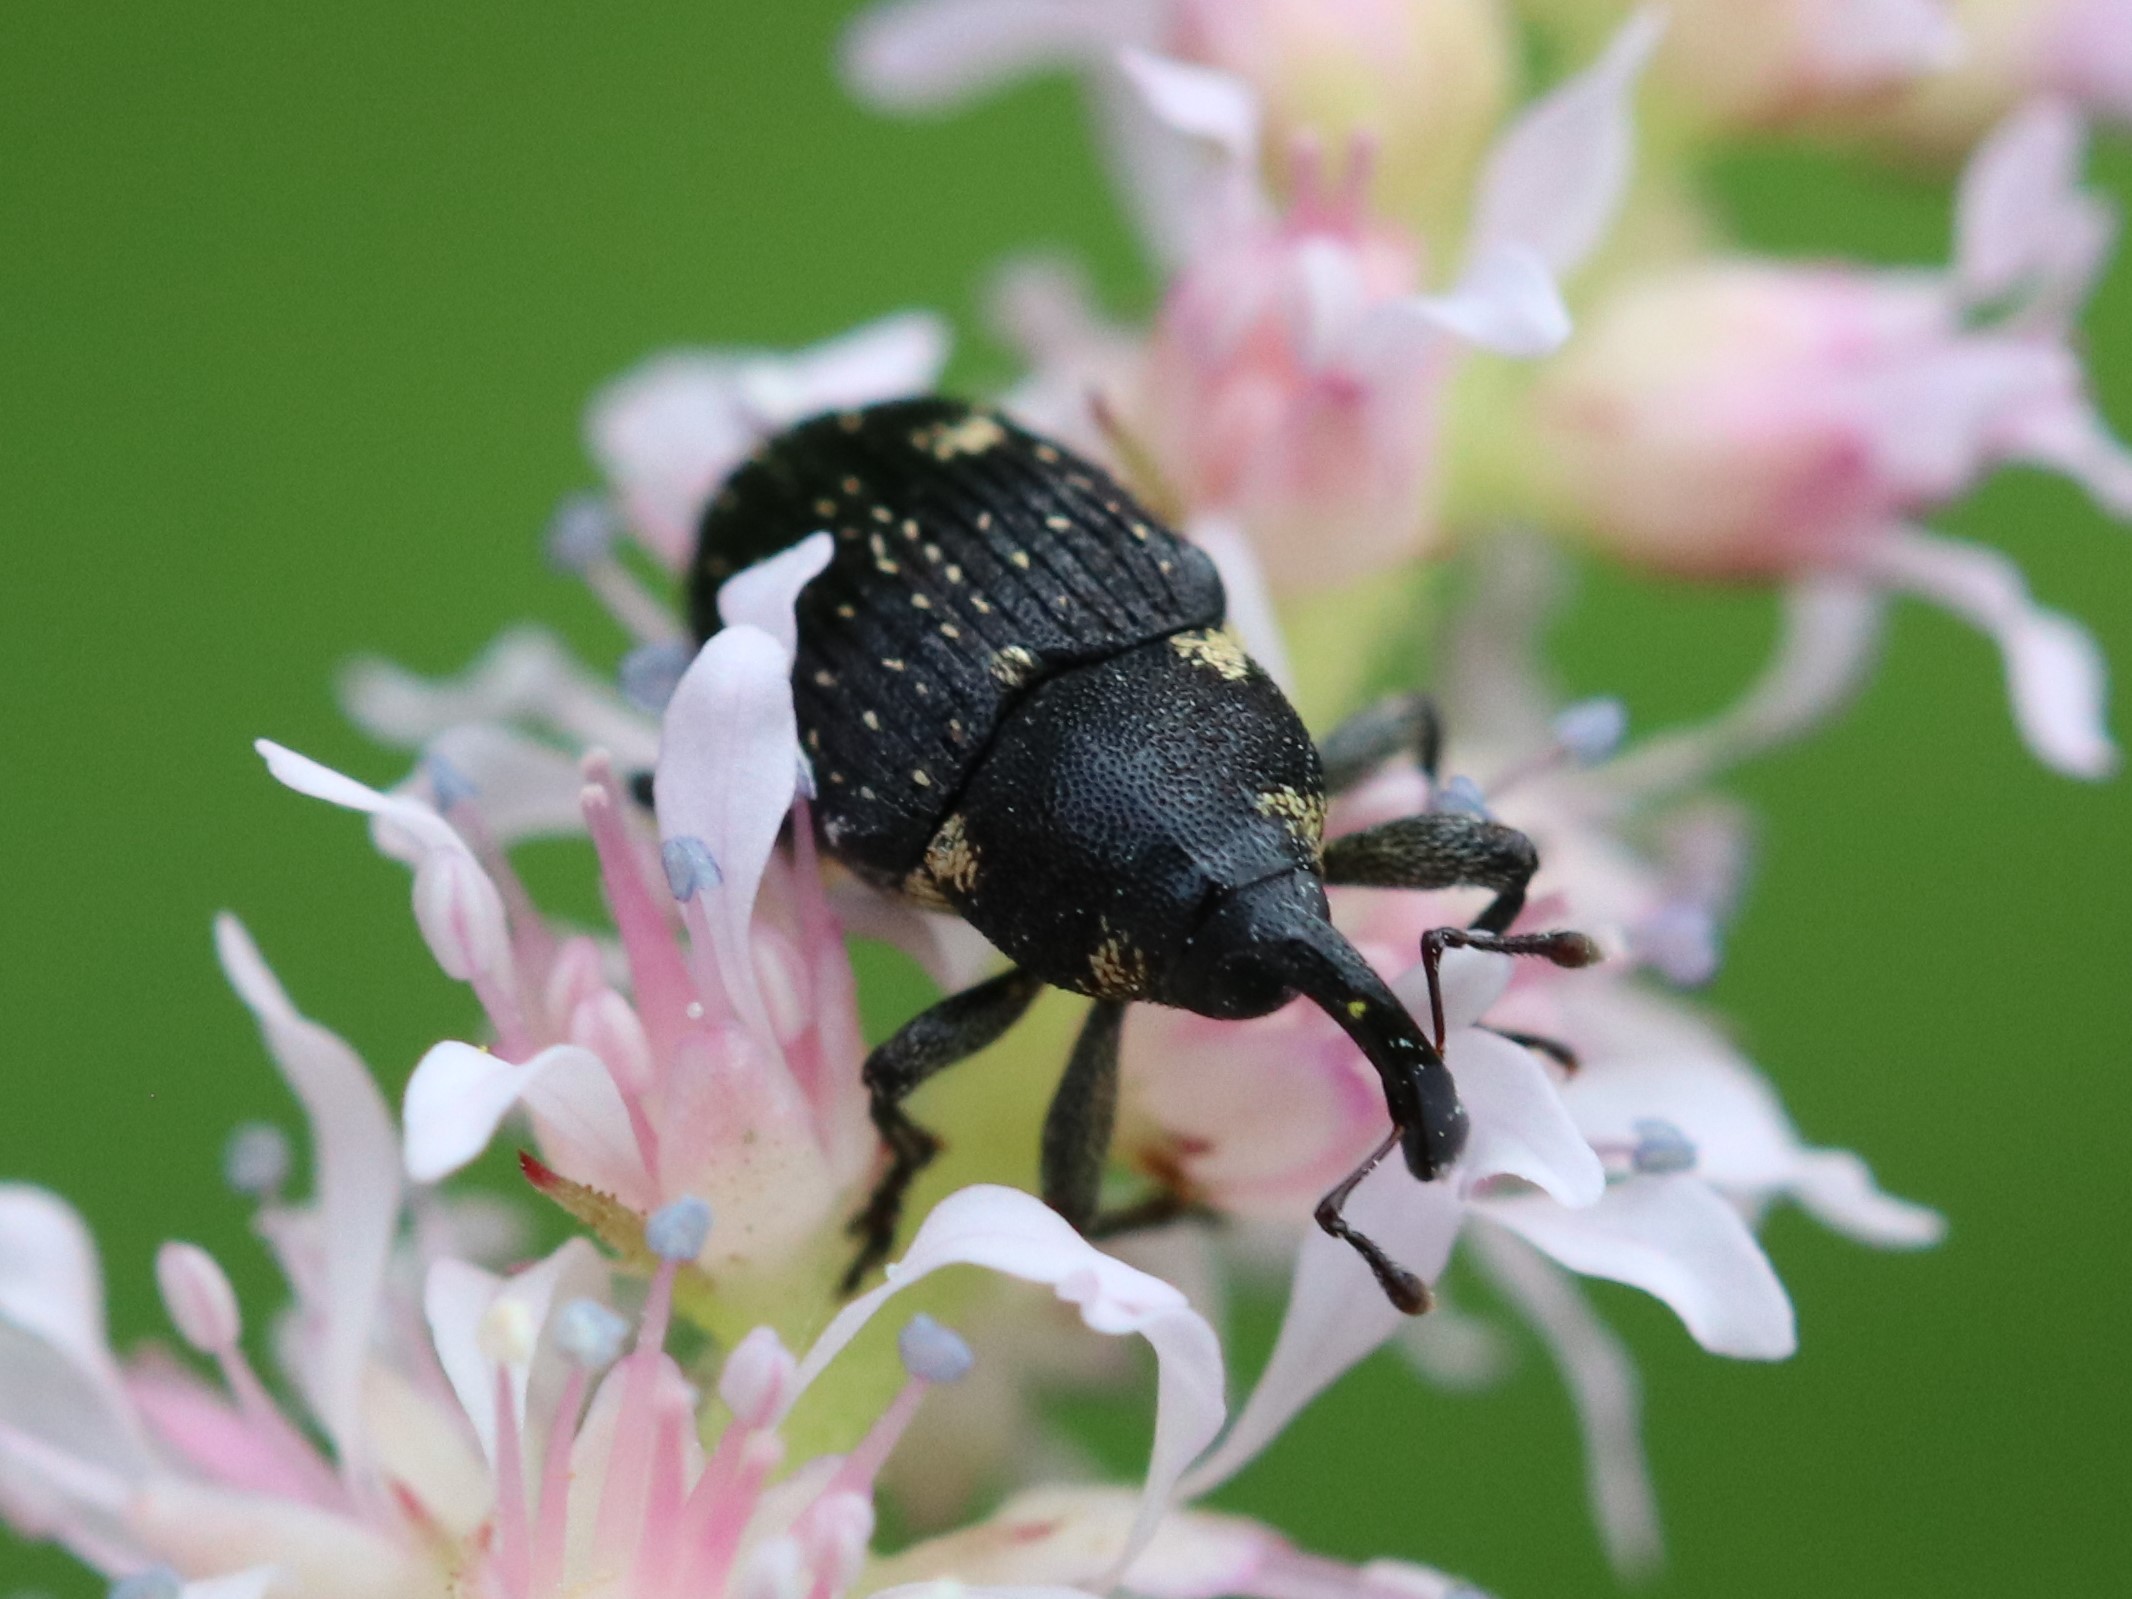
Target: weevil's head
point(1267, 942)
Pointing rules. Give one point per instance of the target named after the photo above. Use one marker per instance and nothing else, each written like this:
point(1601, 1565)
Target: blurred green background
point(300, 308)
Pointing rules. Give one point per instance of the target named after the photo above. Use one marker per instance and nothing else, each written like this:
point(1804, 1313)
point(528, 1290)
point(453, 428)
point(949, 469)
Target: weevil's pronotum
point(1020, 706)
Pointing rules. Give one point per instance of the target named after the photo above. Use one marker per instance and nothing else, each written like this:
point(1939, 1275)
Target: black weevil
point(1021, 707)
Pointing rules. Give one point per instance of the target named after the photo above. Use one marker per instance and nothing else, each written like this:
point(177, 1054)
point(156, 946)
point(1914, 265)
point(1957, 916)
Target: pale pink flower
point(487, 1454)
point(1750, 420)
point(730, 1067)
point(1291, 382)
point(1423, 80)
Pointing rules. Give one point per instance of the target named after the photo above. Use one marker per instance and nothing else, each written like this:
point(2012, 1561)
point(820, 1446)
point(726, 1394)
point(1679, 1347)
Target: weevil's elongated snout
point(1271, 940)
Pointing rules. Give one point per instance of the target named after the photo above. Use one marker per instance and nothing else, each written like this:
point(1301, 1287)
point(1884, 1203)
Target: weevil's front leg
point(1561, 947)
point(1439, 849)
point(1404, 724)
point(955, 1029)
point(1077, 1128)
point(1406, 1291)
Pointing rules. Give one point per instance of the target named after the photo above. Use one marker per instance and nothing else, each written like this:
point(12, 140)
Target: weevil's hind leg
point(1439, 849)
point(1077, 1128)
point(955, 1029)
point(1404, 724)
point(1553, 1048)
point(1406, 1291)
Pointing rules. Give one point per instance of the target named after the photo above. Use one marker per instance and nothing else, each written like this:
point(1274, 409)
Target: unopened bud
point(835, 1536)
point(757, 1381)
point(678, 1232)
point(201, 1303)
point(933, 1353)
point(460, 914)
point(607, 1024)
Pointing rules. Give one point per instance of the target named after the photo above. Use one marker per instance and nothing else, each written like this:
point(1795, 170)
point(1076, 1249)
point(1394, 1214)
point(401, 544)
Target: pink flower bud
point(461, 914)
point(757, 1382)
point(606, 1024)
point(1740, 419)
point(198, 1297)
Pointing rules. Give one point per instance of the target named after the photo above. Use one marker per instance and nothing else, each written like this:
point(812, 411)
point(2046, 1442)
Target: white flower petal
point(307, 776)
point(525, 675)
point(1832, 627)
point(1554, 179)
point(729, 762)
point(51, 1286)
point(1505, 300)
point(2021, 221)
point(459, 1095)
point(924, 54)
point(668, 432)
point(2055, 673)
point(765, 594)
point(1675, 1238)
point(356, 1160)
point(1602, 1381)
point(1520, 1127)
point(1337, 1313)
point(1199, 102)
point(457, 1298)
point(1837, 1187)
point(1010, 1232)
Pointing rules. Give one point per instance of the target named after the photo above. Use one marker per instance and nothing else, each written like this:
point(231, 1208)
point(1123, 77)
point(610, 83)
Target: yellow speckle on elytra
point(1020, 558)
point(1357, 1009)
point(1013, 665)
point(972, 435)
point(873, 722)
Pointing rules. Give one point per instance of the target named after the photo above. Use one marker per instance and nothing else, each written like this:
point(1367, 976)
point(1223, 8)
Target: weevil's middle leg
point(955, 1029)
point(1405, 1290)
point(1439, 849)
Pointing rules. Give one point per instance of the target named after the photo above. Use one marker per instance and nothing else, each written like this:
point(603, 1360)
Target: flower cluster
point(1401, 326)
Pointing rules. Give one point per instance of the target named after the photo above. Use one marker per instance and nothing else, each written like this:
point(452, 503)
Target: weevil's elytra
point(1036, 720)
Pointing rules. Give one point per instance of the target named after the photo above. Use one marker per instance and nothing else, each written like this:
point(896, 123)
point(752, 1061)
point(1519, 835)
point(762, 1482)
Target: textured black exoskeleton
point(1020, 707)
